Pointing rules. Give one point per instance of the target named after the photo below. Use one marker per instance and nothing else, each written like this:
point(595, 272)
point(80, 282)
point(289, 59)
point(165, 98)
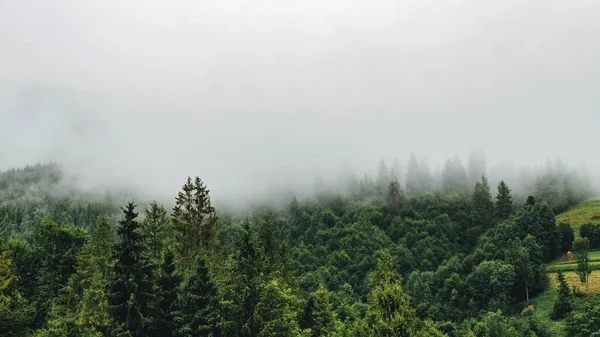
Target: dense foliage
point(376, 261)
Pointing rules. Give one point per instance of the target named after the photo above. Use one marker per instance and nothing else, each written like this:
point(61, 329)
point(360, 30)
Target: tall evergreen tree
point(197, 307)
point(394, 197)
point(319, 315)
point(504, 206)
point(102, 242)
point(155, 229)
point(243, 289)
point(82, 307)
point(389, 313)
point(482, 203)
point(194, 221)
point(563, 304)
point(131, 291)
point(165, 300)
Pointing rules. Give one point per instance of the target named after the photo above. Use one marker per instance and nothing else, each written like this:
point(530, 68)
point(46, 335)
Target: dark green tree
point(567, 236)
point(102, 242)
point(394, 197)
point(197, 307)
point(131, 290)
point(504, 205)
point(482, 203)
point(319, 316)
point(389, 313)
point(194, 222)
point(155, 229)
point(530, 200)
point(166, 289)
point(564, 303)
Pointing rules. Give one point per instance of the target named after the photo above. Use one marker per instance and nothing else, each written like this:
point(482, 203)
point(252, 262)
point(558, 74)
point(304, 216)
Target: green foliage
point(331, 265)
point(592, 233)
point(156, 230)
point(581, 248)
point(394, 197)
point(585, 323)
point(389, 312)
point(131, 290)
point(567, 235)
point(194, 222)
point(196, 311)
point(563, 304)
point(504, 204)
point(319, 316)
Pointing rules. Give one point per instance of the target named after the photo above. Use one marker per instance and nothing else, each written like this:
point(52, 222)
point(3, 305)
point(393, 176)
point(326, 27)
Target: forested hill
point(381, 259)
point(32, 193)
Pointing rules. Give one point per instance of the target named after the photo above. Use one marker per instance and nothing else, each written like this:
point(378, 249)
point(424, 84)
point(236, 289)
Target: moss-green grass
point(543, 305)
point(580, 214)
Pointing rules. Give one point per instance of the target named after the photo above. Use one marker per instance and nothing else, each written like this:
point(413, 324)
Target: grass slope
point(581, 214)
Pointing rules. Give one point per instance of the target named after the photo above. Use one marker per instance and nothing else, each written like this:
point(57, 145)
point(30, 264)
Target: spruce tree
point(155, 229)
point(504, 206)
point(319, 315)
point(194, 222)
point(197, 307)
point(389, 313)
point(394, 197)
point(165, 300)
point(482, 203)
point(131, 290)
point(102, 241)
point(563, 304)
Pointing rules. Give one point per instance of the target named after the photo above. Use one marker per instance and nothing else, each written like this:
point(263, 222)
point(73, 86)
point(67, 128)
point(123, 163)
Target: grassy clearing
point(581, 214)
point(543, 305)
point(573, 281)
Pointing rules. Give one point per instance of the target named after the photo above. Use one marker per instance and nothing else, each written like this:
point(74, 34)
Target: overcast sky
point(150, 92)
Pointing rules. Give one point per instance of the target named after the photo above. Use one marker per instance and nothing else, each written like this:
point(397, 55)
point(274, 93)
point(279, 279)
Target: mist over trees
point(417, 254)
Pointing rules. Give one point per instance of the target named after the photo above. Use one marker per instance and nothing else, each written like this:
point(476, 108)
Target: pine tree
point(504, 205)
point(482, 203)
point(530, 201)
point(389, 313)
point(81, 308)
point(196, 309)
point(194, 222)
point(394, 197)
point(563, 304)
point(165, 300)
point(131, 290)
point(155, 229)
point(243, 288)
point(102, 241)
point(319, 316)
point(276, 310)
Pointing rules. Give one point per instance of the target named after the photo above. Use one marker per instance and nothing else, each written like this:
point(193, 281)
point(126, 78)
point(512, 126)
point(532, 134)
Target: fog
point(264, 94)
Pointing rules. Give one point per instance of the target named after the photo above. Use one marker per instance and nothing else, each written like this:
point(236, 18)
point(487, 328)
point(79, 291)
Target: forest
point(414, 254)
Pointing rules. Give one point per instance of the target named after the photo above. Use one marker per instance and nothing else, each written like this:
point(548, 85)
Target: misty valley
point(436, 255)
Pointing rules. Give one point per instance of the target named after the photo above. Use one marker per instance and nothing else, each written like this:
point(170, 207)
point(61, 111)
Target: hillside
point(585, 212)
